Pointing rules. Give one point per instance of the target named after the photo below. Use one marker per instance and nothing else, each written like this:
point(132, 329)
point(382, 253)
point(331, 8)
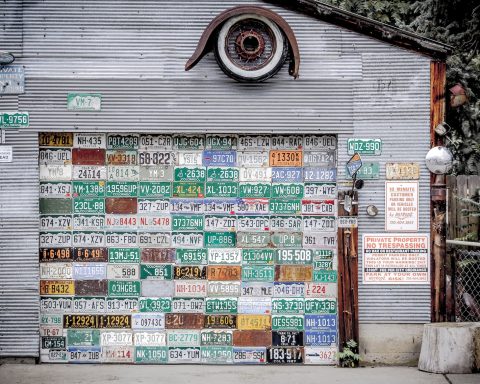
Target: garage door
point(188, 248)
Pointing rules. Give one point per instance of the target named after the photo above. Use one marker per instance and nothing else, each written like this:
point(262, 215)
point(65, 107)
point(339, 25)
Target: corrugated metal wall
point(133, 53)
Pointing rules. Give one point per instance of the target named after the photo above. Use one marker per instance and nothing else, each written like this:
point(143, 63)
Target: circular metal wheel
point(250, 48)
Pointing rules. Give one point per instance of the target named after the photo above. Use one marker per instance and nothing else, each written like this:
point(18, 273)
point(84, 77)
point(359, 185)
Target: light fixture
point(372, 210)
point(6, 58)
point(439, 160)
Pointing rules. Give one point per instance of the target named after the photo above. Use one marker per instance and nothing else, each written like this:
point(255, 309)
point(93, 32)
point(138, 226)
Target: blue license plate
point(321, 323)
point(287, 175)
point(320, 174)
point(219, 158)
point(321, 338)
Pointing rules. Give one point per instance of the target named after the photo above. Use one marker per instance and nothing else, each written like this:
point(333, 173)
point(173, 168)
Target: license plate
point(190, 158)
point(221, 206)
point(220, 305)
point(315, 142)
point(198, 174)
point(60, 139)
point(252, 159)
point(212, 158)
point(288, 306)
point(258, 273)
point(222, 141)
point(253, 223)
point(216, 355)
point(254, 305)
point(121, 288)
point(117, 354)
point(222, 174)
point(321, 323)
point(253, 142)
point(286, 158)
point(155, 271)
point(53, 342)
point(92, 287)
point(325, 158)
point(255, 175)
point(97, 321)
point(89, 172)
point(61, 156)
point(186, 205)
point(190, 272)
point(153, 206)
point(155, 142)
point(254, 289)
point(184, 321)
point(155, 304)
point(284, 190)
point(116, 338)
point(319, 223)
point(122, 141)
point(55, 254)
point(90, 206)
point(320, 190)
point(224, 256)
point(320, 306)
point(84, 354)
point(88, 222)
point(184, 189)
point(50, 331)
point(55, 305)
point(52, 172)
point(287, 322)
point(56, 223)
point(159, 189)
point(254, 322)
point(48, 319)
point(184, 355)
point(219, 239)
point(286, 223)
point(150, 339)
point(187, 288)
point(83, 337)
point(293, 273)
point(220, 223)
point(120, 222)
point(89, 304)
point(219, 288)
point(56, 271)
point(183, 338)
point(257, 256)
point(55, 240)
point(253, 206)
point(221, 189)
point(220, 321)
point(89, 140)
point(158, 255)
point(154, 223)
point(287, 239)
point(191, 256)
point(316, 289)
point(223, 273)
point(321, 338)
point(159, 288)
point(88, 189)
point(81, 156)
point(195, 305)
point(55, 190)
point(285, 206)
point(364, 146)
point(285, 355)
point(187, 222)
point(287, 338)
point(187, 239)
point(155, 240)
point(88, 239)
point(252, 338)
point(294, 256)
point(287, 142)
point(319, 174)
point(122, 272)
point(323, 264)
point(157, 158)
point(319, 207)
point(151, 355)
point(287, 175)
point(148, 321)
point(189, 142)
point(250, 355)
point(91, 254)
point(157, 173)
point(321, 355)
point(123, 172)
point(216, 337)
point(55, 206)
point(254, 190)
point(319, 240)
point(122, 189)
point(89, 271)
point(289, 289)
point(121, 305)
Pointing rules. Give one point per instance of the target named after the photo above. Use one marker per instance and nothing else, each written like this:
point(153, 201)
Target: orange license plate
point(286, 158)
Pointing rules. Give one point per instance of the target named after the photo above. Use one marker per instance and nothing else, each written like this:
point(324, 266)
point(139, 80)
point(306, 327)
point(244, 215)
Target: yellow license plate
point(57, 287)
point(286, 158)
point(60, 139)
point(254, 322)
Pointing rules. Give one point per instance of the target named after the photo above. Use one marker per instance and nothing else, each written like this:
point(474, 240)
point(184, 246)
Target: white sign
point(6, 154)
point(401, 206)
point(396, 259)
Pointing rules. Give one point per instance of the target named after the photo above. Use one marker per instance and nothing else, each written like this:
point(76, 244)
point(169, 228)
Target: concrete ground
point(192, 374)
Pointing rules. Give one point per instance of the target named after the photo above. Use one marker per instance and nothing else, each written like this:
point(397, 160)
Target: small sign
point(6, 153)
point(402, 171)
point(12, 80)
point(14, 120)
point(364, 146)
point(401, 206)
point(354, 165)
point(84, 102)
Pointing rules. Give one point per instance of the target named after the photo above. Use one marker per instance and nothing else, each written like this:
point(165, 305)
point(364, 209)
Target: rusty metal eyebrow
point(205, 40)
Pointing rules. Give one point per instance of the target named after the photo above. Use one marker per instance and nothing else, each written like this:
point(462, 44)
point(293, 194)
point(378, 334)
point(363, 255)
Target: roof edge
point(368, 27)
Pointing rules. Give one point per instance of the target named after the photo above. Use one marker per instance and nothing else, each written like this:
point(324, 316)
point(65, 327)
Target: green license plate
point(156, 271)
point(287, 323)
point(216, 337)
point(188, 189)
point(88, 188)
point(214, 305)
point(325, 276)
point(89, 206)
point(156, 304)
point(191, 256)
point(14, 119)
point(255, 190)
point(257, 256)
point(216, 355)
point(369, 171)
point(221, 142)
point(258, 273)
point(222, 174)
point(253, 239)
point(119, 288)
point(189, 142)
point(221, 189)
point(287, 239)
point(155, 189)
point(323, 264)
point(288, 207)
point(294, 256)
point(190, 174)
point(187, 223)
point(83, 337)
point(320, 306)
point(220, 240)
point(295, 190)
point(55, 206)
point(364, 146)
point(288, 306)
point(123, 255)
point(122, 189)
point(151, 355)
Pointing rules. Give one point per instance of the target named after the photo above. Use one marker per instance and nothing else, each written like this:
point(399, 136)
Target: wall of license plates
point(188, 248)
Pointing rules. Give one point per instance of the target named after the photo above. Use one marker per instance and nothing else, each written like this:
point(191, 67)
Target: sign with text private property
point(84, 101)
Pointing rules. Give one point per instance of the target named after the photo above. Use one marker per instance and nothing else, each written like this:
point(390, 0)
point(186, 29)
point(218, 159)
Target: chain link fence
point(467, 285)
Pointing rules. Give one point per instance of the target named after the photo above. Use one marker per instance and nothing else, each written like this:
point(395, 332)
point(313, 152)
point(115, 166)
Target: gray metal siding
point(134, 52)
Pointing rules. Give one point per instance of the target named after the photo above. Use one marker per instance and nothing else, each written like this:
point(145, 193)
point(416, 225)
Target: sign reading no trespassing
point(396, 259)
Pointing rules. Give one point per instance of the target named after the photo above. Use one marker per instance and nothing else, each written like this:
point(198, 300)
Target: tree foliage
point(457, 23)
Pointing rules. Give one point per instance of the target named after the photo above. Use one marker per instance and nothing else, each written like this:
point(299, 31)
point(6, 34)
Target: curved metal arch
point(204, 44)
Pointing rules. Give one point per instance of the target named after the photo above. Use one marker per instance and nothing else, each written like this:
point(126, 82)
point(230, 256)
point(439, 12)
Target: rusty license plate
point(220, 321)
point(252, 339)
point(223, 273)
point(184, 321)
point(254, 322)
point(91, 254)
point(293, 273)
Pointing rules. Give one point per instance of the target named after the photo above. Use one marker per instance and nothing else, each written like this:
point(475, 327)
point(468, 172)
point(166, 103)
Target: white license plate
point(190, 158)
point(190, 288)
point(152, 206)
point(123, 172)
point(55, 156)
point(252, 159)
point(316, 289)
point(157, 158)
point(253, 206)
point(55, 240)
point(286, 223)
point(220, 288)
point(121, 239)
point(117, 354)
point(89, 305)
point(320, 190)
point(183, 338)
point(319, 223)
point(150, 339)
point(186, 205)
point(88, 222)
point(88, 239)
point(220, 223)
point(321, 355)
point(156, 223)
point(89, 172)
point(112, 338)
point(55, 305)
point(89, 271)
point(146, 321)
point(216, 141)
point(56, 271)
point(319, 239)
point(55, 190)
point(54, 356)
point(255, 305)
point(84, 354)
point(120, 222)
point(89, 140)
point(51, 330)
point(50, 319)
point(217, 206)
point(156, 173)
point(253, 142)
point(123, 272)
point(155, 142)
point(187, 240)
point(56, 223)
point(315, 142)
point(195, 305)
point(250, 355)
point(55, 172)
point(155, 240)
point(224, 256)
point(121, 157)
point(257, 289)
point(287, 142)
point(347, 222)
point(320, 158)
point(289, 289)
point(319, 207)
point(255, 174)
point(253, 223)
point(121, 305)
point(185, 355)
